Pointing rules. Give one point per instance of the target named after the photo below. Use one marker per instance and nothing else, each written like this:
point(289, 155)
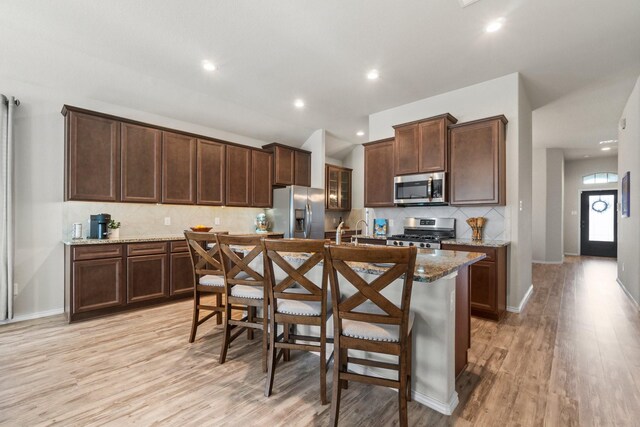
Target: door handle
point(307, 231)
point(430, 188)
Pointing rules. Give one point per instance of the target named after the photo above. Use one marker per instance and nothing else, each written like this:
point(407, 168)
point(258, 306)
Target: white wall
point(39, 168)
point(629, 228)
point(316, 144)
point(573, 172)
point(548, 205)
point(506, 96)
point(539, 204)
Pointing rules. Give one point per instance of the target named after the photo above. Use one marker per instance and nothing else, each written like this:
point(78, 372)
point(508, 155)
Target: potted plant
point(114, 229)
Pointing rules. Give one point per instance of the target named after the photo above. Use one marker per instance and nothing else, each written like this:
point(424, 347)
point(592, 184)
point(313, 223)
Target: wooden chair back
point(233, 264)
point(397, 262)
point(295, 275)
point(205, 259)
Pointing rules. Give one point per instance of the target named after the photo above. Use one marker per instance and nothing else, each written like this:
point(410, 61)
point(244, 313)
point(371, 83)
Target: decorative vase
point(114, 233)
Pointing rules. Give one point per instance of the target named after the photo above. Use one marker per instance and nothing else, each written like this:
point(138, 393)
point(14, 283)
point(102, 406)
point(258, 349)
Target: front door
point(599, 223)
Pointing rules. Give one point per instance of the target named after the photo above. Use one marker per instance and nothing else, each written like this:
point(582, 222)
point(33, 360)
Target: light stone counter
point(469, 242)
point(124, 239)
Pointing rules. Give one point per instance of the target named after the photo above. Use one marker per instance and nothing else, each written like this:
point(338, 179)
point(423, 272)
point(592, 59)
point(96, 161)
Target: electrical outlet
point(391, 223)
point(167, 220)
point(335, 221)
point(574, 213)
point(623, 266)
point(216, 221)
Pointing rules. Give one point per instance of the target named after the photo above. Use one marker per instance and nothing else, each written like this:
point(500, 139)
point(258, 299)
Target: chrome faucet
point(339, 233)
point(358, 223)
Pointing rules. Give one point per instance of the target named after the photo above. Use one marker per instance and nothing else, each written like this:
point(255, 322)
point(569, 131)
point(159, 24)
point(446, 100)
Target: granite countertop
point(124, 239)
point(369, 236)
point(469, 242)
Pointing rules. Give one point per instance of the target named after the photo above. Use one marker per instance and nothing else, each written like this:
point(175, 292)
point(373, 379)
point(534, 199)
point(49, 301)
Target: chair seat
point(215, 280)
point(246, 291)
point(373, 331)
point(298, 307)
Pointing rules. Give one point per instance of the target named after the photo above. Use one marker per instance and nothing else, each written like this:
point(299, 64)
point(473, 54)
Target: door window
point(601, 218)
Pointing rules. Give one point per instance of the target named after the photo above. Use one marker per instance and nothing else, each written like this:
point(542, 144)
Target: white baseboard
point(524, 301)
point(32, 316)
point(571, 254)
point(547, 262)
point(445, 408)
point(624, 289)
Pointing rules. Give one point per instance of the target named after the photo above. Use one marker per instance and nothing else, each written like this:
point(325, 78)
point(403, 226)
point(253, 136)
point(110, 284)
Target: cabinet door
point(284, 166)
point(483, 286)
point(238, 179)
point(378, 174)
point(181, 281)
point(146, 277)
point(262, 169)
point(477, 167)
point(406, 150)
point(92, 158)
point(345, 190)
point(141, 161)
point(302, 168)
point(211, 173)
point(178, 169)
point(332, 187)
point(97, 284)
point(433, 146)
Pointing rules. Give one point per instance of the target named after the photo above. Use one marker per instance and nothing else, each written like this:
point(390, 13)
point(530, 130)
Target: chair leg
point(219, 304)
point(336, 387)
point(323, 364)
point(409, 356)
point(265, 335)
point(344, 354)
point(250, 316)
point(226, 336)
point(287, 352)
point(402, 395)
point(271, 370)
point(196, 315)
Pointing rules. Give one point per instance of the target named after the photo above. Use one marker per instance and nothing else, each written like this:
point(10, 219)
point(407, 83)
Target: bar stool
point(296, 300)
point(244, 290)
point(208, 277)
point(368, 321)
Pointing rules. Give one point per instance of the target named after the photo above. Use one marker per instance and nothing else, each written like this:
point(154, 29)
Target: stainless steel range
point(424, 232)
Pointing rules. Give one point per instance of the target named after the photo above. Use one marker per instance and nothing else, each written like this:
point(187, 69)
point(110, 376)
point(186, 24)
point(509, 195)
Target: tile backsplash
point(496, 227)
point(142, 219)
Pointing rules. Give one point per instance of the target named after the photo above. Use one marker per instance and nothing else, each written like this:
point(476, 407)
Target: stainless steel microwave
point(424, 189)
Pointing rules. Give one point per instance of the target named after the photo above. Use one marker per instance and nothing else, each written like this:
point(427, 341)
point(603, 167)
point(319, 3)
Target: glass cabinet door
point(345, 189)
point(333, 183)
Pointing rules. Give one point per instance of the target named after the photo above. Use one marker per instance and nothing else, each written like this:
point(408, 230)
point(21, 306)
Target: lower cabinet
point(107, 278)
point(487, 280)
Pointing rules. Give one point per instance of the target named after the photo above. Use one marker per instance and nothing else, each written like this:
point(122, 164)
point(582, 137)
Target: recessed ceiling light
point(373, 75)
point(208, 65)
point(606, 148)
point(298, 103)
point(360, 133)
point(494, 26)
point(610, 141)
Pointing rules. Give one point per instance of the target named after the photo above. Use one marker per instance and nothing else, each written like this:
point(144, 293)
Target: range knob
point(410, 244)
point(428, 245)
point(422, 245)
point(401, 243)
point(395, 243)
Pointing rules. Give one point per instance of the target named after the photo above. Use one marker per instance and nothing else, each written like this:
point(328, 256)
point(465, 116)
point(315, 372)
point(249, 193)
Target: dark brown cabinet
point(141, 163)
point(478, 162)
point(378, 173)
point(178, 169)
point(146, 271)
point(291, 166)
point(422, 146)
point(337, 188)
point(262, 171)
point(238, 176)
point(92, 157)
point(487, 281)
point(210, 173)
point(181, 270)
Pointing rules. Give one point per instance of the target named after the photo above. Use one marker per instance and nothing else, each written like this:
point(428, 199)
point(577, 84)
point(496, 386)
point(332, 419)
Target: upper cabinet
point(141, 163)
point(262, 171)
point(421, 146)
point(238, 179)
point(92, 157)
point(178, 168)
point(337, 188)
point(211, 163)
point(478, 162)
point(291, 166)
point(378, 173)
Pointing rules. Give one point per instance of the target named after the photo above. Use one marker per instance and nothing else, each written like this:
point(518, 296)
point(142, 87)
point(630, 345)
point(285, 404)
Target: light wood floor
point(571, 358)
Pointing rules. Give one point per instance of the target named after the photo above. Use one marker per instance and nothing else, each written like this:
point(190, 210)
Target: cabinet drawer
point(179, 246)
point(97, 251)
point(490, 252)
point(151, 248)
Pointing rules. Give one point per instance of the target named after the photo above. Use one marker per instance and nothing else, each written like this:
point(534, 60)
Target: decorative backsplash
point(142, 219)
point(496, 226)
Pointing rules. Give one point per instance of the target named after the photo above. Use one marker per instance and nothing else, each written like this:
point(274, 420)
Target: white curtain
point(7, 107)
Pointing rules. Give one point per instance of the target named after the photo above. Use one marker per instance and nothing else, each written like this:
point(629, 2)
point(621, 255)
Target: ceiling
point(579, 59)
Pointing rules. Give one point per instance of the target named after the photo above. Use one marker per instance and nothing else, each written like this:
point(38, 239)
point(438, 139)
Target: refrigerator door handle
point(307, 224)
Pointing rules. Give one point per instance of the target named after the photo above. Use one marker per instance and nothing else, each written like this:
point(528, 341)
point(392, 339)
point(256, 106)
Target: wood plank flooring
point(572, 358)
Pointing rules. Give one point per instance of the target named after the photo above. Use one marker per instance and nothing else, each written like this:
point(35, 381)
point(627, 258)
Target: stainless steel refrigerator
point(298, 212)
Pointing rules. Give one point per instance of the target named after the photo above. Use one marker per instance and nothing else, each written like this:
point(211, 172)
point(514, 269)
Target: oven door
point(423, 189)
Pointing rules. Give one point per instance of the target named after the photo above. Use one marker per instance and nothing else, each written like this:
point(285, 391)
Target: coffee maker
point(98, 228)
